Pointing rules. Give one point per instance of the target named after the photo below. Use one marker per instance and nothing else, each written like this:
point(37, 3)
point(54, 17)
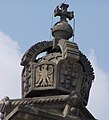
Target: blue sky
point(29, 21)
point(26, 22)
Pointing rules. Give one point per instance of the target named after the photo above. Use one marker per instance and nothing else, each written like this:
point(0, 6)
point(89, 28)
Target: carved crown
point(60, 71)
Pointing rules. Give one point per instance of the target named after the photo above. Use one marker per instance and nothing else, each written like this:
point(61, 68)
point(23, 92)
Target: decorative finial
point(62, 29)
point(63, 13)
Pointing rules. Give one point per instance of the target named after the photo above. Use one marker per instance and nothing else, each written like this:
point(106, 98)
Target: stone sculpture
point(57, 85)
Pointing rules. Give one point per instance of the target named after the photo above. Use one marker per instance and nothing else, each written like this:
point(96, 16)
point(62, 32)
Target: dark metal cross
point(63, 13)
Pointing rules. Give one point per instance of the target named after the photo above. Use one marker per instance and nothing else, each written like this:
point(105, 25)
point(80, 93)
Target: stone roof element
point(53, 106)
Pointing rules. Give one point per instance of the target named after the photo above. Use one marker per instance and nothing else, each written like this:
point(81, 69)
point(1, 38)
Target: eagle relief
point(44, 75)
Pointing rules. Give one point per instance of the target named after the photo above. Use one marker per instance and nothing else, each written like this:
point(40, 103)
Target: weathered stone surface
point(52, 107)
point(55, 86)
point(62, 29)
point(29, 113)
point(69, 50)
point(54, 74)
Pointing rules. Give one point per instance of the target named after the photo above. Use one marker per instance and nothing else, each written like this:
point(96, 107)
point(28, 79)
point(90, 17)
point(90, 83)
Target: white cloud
point(99, 95)
point(9, 67)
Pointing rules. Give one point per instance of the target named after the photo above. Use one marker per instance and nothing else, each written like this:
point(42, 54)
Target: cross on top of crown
point(63, 13)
